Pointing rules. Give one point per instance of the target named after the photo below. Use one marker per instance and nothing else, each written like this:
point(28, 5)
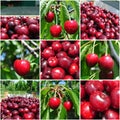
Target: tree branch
point(32, 50)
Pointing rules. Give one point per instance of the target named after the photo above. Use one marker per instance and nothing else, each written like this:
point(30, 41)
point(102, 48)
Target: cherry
point(58, 73)
point(43, 44)
point(106, 63)
point(47, 52)
point(34, 29)
point(68, 105)
point(115, 95)
point(23, 30)
point(73, 50)
point(86, 111)
point(64, 62)
point(92, 86)
point(71, 26)
point(99, 101)
point(91, 59)
point(73, 68)
point(101, 25)
point(106, 75)
point(28, 116)
point(52, 61)
point(83, 27)
point(55, 30)
point(111, 114)
point(3, 36)
point(23, 37)
point(54, 103)
point(49, 16)
point(61, 54)
point(92, 31)
point(56, 46)
point(110, 85)
point(66, 45)
point(22, 67)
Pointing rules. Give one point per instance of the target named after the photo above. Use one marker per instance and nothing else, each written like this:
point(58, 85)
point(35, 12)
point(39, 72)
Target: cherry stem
point(106, 48)
point(93, 46)
point(56, 18)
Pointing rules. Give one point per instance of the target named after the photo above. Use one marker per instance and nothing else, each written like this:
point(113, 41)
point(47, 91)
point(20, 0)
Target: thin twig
point(32, 51)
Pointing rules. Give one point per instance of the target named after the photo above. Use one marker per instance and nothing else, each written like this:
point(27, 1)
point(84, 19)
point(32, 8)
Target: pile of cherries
point(100, 99)
point(20, 108)
point(98, 23)
point(60, 60)
point(105, 63)
point(21, 27)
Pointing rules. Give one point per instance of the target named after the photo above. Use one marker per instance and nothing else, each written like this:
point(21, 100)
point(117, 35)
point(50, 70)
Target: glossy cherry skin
point(43, 44)
point(110, 85)
point(106, 75)
point(73, 68)
point(91, 86)
point(115, 95)
point(56, 46)
point(28, 116)
point(3, 35)
point(61, 54)
point(23, 30)
point(47, 52)
point(71, 26)
point(54, 103)
point(111, 114)
point(55, 30)
point(64, 62)
point(99, 101)
point(52, 61)
point(82, 91)
point(73, 50)
point(86, 111)
point(91, 59)
point(22, 67)
point(58, 73)
point(66, 45)
point(106, 63)
point(49, 16)
point(68, 105)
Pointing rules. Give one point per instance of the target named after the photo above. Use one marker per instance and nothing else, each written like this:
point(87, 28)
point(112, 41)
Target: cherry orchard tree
point(19, 59)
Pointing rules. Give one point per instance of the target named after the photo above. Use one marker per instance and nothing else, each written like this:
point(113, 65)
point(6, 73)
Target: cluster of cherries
point(105, 64)
point(60, 60)
point(98, 23)
point(20, 108)
point(100, 99)
point(22, 27)
point(71, 26)
point(54, 103)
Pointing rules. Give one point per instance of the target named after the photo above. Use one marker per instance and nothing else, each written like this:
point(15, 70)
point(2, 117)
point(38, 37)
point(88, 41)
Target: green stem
point(93, 46)
point(106, 48)
point(56, 18)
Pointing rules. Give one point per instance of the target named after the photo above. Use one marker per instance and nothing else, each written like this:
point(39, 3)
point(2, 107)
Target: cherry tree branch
point(32, 50)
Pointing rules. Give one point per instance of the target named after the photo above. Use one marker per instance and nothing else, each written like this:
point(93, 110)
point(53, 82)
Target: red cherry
point(68, 77)
point(73, 68)
point(68, 105)
point(106, 75)
point(54, 103)
point(83, 27)
point(106, 63)
point(99, 101)
point(34, 29)
point(49, 16)
point(91, 59)
point(52, 61)
point(56, 46)
point(115, 95)
point(61, 54)
point(22, 67)
point(55, 30)
point(47, 52)
point(58, 73)
point(86, 111)
point(82, 91)
point(28, 116)
point(23, 30)
point(91, 86)
point(111, 114)
point(71, 26)
point(3, 35)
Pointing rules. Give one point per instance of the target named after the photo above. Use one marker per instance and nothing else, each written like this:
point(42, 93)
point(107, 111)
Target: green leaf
point(75, 100)
point(62, 114)
point(45, 114)
point(45, 91)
